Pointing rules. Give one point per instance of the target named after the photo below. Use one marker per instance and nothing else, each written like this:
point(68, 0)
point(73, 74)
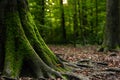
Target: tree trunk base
point(25, 52)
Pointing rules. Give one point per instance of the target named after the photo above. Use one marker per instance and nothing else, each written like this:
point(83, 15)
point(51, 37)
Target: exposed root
point(113, 69)
point(73, 76)
point(7, 78)
point(106, 49)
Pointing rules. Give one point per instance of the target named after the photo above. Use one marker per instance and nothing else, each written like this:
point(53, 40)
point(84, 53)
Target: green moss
point(13, 59)
point(10, 47)
point(36, 40)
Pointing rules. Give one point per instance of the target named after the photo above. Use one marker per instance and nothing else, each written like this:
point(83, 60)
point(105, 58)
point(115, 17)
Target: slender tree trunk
point(91, 14)
point(92, 22)
point(97, 18)
point(96, 4)
point(84, 20)
point(75, 21)
point(80, 16)
point(63, 21)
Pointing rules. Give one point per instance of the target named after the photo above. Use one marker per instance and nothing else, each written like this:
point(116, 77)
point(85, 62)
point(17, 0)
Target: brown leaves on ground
point(96, 65)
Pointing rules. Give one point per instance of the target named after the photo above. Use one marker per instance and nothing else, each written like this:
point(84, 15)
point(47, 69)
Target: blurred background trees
point(70, 21)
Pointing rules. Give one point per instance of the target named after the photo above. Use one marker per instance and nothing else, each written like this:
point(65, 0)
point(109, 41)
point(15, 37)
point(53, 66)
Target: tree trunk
point(75, 22)
point(23, 43)
point(96, 5)
point(84, 21)
point(2, 34)
point(63, 21)
point(23, 51)
point(112, 30)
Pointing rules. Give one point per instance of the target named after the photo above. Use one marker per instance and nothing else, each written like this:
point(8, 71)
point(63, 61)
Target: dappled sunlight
point(65, 2)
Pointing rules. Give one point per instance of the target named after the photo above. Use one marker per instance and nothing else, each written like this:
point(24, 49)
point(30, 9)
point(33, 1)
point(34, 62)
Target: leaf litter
point(96, 65)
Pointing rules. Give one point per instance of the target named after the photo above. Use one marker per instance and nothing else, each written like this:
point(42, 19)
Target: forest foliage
point(84, 20)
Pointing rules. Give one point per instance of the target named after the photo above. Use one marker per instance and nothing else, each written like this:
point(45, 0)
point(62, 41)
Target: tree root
point(113, 69)
point(106, 49)
point(7, 78)
point(83, 65)
point(73, 76)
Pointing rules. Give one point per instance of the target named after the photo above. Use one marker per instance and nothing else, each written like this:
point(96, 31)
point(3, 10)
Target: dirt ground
point(91, 63)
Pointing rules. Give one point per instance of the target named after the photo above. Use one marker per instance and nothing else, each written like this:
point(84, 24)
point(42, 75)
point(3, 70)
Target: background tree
point(112, 29)
point(63, 21)
point(75, 22)
point(84, 19)
point(96, 4)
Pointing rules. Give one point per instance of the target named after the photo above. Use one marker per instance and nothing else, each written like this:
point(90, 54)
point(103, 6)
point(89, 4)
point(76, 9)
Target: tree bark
point(2, 33)
point(23, 43)
point(23, 51)
point(112, 30)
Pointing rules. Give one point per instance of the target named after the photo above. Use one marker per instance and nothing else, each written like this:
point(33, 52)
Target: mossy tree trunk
point(23, 52)
point(112, 29)
point(21, 46)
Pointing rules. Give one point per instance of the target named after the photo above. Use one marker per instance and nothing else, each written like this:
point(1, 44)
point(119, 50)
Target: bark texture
point(112, 29)
point(21, 46)
point(23, 52)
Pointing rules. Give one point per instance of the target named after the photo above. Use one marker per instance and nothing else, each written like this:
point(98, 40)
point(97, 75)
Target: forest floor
point(91, 63)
